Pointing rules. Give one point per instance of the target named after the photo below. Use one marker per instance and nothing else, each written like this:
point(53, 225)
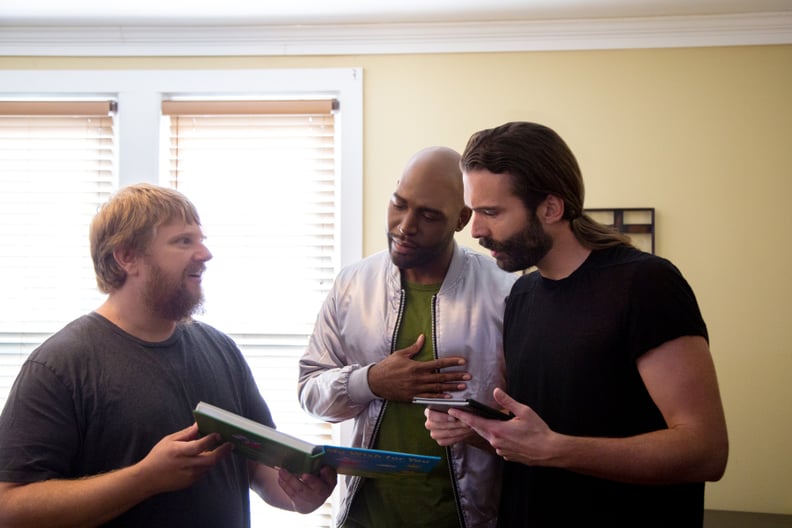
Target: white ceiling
point(344, 27)
point(334, 12)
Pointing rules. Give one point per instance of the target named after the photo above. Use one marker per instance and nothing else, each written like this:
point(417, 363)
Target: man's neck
point(567, 255)
point(138, 322)
point(432, 273)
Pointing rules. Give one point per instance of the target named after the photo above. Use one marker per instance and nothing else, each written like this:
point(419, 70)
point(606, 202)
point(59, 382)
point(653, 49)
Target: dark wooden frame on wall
point(620, 219)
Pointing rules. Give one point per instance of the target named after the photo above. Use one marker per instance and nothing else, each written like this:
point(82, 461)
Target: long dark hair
point(539, 163)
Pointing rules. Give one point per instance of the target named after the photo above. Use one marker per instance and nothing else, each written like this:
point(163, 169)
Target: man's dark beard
point(168, 299)
point(522, 250)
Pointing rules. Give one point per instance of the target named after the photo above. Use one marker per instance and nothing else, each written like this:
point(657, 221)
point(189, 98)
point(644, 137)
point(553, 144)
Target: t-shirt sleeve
point(39, 433)
point(663, 308)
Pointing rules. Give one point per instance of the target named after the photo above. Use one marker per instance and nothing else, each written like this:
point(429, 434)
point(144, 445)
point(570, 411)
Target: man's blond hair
point(129, 221)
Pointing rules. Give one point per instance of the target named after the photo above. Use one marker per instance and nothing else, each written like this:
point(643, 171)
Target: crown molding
point(356, 39)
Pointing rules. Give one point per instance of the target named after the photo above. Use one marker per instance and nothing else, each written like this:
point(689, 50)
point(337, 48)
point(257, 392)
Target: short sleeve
point(39, 433)
point(663, 307)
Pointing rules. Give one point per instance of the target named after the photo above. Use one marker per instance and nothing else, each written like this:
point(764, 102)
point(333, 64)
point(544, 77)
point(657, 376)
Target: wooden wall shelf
point(637, 222)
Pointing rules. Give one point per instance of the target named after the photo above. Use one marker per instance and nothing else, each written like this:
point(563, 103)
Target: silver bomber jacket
point(356, 328)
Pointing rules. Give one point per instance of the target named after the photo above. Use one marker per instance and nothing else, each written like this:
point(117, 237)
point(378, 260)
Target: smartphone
point(466, 404)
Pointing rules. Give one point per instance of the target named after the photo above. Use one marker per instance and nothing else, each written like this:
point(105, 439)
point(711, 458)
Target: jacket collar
point(455, 271)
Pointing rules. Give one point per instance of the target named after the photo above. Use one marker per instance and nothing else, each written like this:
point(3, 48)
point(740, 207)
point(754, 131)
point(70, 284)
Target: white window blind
point(263, 175)
point(141, 146)
point(57, 164)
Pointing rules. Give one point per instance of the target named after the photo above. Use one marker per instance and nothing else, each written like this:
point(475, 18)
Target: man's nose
point(478, 227)
point(204, 254)
point(408, 225)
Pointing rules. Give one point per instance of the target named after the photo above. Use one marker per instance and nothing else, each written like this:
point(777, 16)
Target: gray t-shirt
point(93, 399)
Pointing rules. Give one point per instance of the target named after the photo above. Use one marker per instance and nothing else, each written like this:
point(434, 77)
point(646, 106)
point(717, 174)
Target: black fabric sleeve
point(663, 307)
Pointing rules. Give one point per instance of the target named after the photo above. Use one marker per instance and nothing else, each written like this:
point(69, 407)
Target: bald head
point(437, 170)
point(426, 209)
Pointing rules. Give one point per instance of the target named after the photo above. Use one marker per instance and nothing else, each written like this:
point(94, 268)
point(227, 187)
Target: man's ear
point(552, 209)
point(127, 259)
point(464, 217)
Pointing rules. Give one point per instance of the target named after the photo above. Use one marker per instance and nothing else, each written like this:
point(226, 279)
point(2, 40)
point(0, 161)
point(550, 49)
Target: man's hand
point(308, 492)
point(447, 430)
point(180, 459)
point(525, 439)
point(400, 378)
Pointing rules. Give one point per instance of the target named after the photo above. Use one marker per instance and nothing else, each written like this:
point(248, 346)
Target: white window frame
point(141, 135)
point(139, 140)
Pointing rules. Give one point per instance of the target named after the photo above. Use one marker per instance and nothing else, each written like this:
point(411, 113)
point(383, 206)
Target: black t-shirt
point(571, 348)
point(93, 398)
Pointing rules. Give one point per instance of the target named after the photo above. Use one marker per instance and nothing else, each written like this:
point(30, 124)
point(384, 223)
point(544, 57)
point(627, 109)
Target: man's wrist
point(359, 389)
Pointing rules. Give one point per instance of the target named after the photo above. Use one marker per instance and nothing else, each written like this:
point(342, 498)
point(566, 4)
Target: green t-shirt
point(422, 501)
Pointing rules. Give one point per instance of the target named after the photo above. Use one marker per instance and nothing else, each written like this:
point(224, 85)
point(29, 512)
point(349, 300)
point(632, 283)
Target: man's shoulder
point(631, 258)
point(526, 282)
point(85, 328)
point(378, 262)
point(206, 340)
point(194, 327)
point(622, 254)
point(75, 343)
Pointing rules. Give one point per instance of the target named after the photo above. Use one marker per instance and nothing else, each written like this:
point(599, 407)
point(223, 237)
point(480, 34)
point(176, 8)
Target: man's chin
point(507, 265)
point(399, 260)
point(511, 265)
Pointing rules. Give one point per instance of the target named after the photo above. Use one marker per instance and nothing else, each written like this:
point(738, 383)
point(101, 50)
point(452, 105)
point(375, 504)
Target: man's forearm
point(660, 457)
point(84, 502)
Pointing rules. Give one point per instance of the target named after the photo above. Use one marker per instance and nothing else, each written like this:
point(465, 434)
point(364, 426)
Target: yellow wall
point(703, 135)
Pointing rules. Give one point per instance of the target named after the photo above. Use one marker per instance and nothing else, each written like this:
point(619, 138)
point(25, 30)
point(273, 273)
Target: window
point(57, 164)
point(263, 179)
point(279, 226)
point(262, 175)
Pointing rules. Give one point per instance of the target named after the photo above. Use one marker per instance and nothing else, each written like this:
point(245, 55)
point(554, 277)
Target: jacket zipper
point(449, 459)
point(454, 485)
point(358, 480)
